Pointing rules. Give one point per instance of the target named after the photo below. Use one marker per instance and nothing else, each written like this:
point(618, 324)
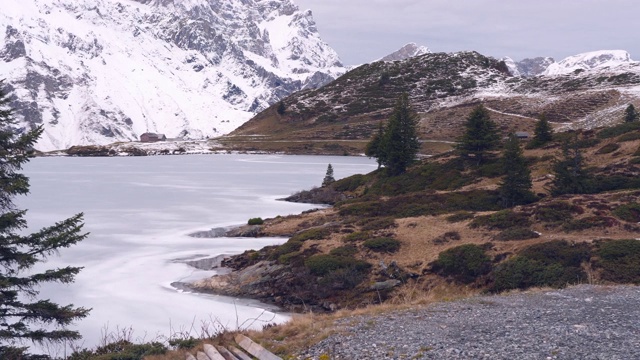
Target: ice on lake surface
point(139, 212)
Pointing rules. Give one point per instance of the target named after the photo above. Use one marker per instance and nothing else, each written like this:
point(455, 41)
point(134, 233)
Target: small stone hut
point(152, 137)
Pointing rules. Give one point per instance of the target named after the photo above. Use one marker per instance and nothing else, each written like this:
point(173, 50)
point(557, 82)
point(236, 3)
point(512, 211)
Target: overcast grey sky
point(365, 30)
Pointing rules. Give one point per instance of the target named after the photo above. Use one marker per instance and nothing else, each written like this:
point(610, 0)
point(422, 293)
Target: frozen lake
point(139, 211)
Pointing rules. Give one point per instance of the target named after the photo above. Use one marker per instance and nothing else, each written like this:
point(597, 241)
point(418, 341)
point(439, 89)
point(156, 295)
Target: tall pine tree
point(542, 134)
point(328, 177)
point(631, 114)
point(23, 317)
point(480, 137)
point(400, 144)
point(515, 188)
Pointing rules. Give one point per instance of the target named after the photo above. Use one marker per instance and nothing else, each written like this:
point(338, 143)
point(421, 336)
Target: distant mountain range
point(102, 71)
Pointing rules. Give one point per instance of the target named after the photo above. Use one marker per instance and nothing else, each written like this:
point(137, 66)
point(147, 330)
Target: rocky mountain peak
point(99, 71)
point(408, 51)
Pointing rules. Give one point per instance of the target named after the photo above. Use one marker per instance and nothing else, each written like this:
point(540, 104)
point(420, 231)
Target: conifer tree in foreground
point(398, 145)
point(515, 188)
point(328, 177)
point(23, 317)
point(542, 134)
point(480, 137)
point(571, 176)
point(631, 114)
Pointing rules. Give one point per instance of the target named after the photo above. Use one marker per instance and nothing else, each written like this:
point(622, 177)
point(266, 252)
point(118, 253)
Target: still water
point(139, 212)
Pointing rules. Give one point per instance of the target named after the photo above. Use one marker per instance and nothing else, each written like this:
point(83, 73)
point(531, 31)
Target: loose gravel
point(580, 322)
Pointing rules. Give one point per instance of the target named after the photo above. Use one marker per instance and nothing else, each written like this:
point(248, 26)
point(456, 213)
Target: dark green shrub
point(589, 223)
point(377, 223)
point(503, 219)
point(289, 258)
point(620, 260)
point(517, 233)
point(465, 263)
point(618, 130)
point(447, 237)
point(286, 248)
point(322, 265)
point(188, 343)
point(556, 264)
point(634, 160)
point(350, 183)
point(255, 221)
point(628, 212)
point(120, 350)
point(311, 234)
point(607, 149)
point(346, 251)
point(556, 212)
point(459, 216)
point(357, 236)
point(382, 244)
point(629, 137)
point(559, 251)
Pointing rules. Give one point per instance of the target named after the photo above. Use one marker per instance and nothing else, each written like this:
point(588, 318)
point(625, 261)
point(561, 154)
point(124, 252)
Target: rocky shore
point(580, 322)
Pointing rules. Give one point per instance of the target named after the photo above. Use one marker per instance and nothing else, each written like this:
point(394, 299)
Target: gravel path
point(581, 322)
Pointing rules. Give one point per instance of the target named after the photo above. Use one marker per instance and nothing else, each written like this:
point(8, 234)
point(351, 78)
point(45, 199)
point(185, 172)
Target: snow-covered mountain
point(528, 67)
point(595, 60)
point(99, 71)
point(408, 51)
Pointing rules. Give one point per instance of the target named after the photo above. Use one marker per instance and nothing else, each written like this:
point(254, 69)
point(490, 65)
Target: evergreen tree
point(328, 177)
point(400, 144)
point(571, 177)
point(22, 316)
point(374, 146)
point(630, 114)
point(515, 188)
point(480, 137)
point(542, 134)
point(282, 108)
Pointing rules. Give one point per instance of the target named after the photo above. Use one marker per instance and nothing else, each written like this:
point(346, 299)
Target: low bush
point(382, 244)
point(447, 237)
point(377, 223)
point(255, 221)
point(312, 234)
point(459, 216)
point(120, 350)
point(629, 137)
point(589, 223)
point(555, 263)
point(618, 130)
point(346, 251)
point(357, 236)
point(607, 149)
point(464, 263)
point(517, 233)
point(290, 258)
point(503, 219)
point(628, 212)
point(290, 246)
point(350, 183)
point(556, 212)
point(619, 260)
point(321, 265)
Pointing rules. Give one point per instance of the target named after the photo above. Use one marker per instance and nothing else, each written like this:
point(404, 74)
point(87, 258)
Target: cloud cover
point(365, 30)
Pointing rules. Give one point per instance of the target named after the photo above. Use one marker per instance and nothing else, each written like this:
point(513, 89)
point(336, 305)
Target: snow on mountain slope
point(603, 59)
point(408, 51)
point(99, 71)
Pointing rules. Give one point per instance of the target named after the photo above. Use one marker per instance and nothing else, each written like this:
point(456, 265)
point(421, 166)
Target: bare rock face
point(97, 71)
